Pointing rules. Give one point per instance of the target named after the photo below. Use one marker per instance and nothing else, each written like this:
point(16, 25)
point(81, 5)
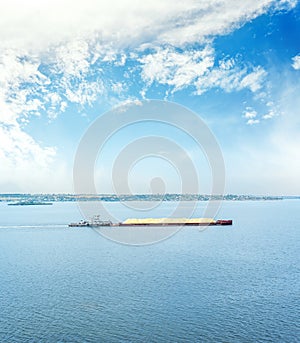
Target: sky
point(234, 63)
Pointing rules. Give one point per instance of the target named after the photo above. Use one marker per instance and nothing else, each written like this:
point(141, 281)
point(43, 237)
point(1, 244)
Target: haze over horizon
point(236, 64)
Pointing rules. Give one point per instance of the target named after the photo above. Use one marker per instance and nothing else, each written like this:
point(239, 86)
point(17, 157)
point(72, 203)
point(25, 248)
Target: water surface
point(226, 284)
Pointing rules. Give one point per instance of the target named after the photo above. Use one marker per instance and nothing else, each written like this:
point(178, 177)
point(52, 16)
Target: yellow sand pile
point(168, 220)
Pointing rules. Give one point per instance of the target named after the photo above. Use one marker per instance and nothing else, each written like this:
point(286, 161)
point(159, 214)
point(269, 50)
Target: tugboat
point(94, 222)
point(82, 223)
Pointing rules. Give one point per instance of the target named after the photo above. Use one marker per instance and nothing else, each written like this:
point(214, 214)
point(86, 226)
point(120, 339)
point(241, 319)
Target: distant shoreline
point(50, 198)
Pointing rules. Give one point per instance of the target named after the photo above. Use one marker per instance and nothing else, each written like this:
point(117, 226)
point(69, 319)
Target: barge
point(97, 222)
point(29, 203)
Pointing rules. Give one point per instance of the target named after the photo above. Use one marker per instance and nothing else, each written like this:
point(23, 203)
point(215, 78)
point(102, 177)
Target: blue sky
point(236, 64)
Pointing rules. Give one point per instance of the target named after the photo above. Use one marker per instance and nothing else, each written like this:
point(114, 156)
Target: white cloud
point(212, 18)
point(36, 25)
point(84, 93)
point(71, 43)
point(254, 79)
point(23, 162)
point(269, 115)
point(177, 69)
point(285, 5)
point(231, 78)
point(22, 148)
point(296, 62)
point(250, 114)
point(17, 69)
point(56, 105)
point(118, 87)
point(124, 105)
point(197, 68)
point(252, 121)
point(122, 60)
point(71, 59)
